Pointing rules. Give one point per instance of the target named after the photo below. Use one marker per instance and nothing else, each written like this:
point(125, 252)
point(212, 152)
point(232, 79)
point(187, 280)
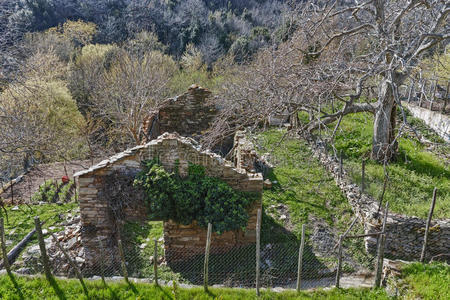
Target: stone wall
point(172, 150)
point(405, 233)
point(189, 114)
point(437, 121)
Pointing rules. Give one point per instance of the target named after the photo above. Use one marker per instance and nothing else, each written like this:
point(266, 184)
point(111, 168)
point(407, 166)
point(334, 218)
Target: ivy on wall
point(194, 197)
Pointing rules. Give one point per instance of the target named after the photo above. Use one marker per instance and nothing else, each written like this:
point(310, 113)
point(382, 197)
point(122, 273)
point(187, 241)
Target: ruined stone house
point(185, 117)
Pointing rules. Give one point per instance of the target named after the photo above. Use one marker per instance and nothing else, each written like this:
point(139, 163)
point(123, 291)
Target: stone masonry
point(405, 233)
point(189, 114)
point(179, 241)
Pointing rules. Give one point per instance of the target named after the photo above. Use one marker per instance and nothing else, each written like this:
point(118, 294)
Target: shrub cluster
point(194, 197)
point(51, 191)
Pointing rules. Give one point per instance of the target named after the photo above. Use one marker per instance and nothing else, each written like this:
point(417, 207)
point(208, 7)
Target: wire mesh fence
point(227, 266)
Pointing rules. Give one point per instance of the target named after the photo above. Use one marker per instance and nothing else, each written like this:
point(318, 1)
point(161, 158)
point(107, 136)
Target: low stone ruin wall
point(184, 241)
point(114, 176)
point(405, 233)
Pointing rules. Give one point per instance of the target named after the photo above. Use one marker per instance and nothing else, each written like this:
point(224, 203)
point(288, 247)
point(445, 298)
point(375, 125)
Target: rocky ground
point(69, 239)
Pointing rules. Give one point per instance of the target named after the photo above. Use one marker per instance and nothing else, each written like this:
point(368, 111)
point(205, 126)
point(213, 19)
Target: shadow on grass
point(132, 287)
point(236, 267)
point(59, 293)
point(166, 294)
point(16, 286)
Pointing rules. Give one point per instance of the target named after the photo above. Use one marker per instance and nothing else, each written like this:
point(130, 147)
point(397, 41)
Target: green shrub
point(53, 191)
point(195, 197)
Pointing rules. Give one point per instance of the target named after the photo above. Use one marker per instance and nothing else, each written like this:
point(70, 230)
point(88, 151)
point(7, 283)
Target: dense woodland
point(78, 77)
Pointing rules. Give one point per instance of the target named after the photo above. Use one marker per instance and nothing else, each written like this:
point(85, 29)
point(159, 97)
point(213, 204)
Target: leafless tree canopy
point(343, 59)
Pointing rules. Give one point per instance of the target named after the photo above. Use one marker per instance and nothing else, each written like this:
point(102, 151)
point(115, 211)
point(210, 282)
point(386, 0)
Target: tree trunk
point(383, 146)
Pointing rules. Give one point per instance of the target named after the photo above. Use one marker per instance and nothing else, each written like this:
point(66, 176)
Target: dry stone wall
point(172, 151)
point(405, 233)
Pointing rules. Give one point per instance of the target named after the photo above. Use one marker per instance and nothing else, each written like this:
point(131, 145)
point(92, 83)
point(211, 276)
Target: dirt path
point(23, 190)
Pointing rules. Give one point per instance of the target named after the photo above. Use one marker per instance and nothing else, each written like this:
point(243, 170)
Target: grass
point(425, 281)
point(19, 222)
point(301, 183)
point(311, 195)
point(412, 177)
point(40, 288)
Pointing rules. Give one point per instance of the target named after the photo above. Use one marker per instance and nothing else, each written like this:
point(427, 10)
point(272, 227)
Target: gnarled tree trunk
point(384, 146)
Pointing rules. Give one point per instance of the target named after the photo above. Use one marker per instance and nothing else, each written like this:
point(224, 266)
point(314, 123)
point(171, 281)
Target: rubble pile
point(70, 241)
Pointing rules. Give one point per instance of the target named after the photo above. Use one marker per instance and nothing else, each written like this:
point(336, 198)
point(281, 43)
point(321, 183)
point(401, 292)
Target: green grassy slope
point(412, 177)
point(301, 183)
point(19, 221)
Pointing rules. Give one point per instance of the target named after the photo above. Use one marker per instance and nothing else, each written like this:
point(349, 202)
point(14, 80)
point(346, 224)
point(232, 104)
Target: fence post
point(102, 260)
point(45, 262)
point(300, 259)
point(411, 89)
point(258, 248)
point(381, 243)
point(122, 255)
point(12, 192)
point(155, 261)
point(427, 228)
point(446, 97)
point(205, 267)
point(341, 165)
point(3, 245)
point(72, 263)
point(363, 175)
point(339, 266)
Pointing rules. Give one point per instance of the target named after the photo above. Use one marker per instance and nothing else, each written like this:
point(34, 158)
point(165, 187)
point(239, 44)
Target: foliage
point(63, 39)
point(195, 197)
point(38, 113)
point(53, 191)
point(211, 25)
point(40, 288)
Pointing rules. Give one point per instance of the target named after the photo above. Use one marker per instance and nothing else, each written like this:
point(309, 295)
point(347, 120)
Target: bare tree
point(128, 91)
point(383, 42)
point(357, 55)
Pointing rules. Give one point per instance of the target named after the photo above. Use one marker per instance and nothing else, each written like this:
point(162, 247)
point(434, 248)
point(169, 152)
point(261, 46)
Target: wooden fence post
point(155, 261)
point(300, 259)
point(72, 263)
point(102, 260)
point(411, 91)
point(122, 255)
point(427, 227)
point(258, 248)
point(339, 266)
point(446, 97)
point(12, 192)
point(44, 257)
point(363, 175)
point(205, 267)
point(3, 246)
point(381, 244)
